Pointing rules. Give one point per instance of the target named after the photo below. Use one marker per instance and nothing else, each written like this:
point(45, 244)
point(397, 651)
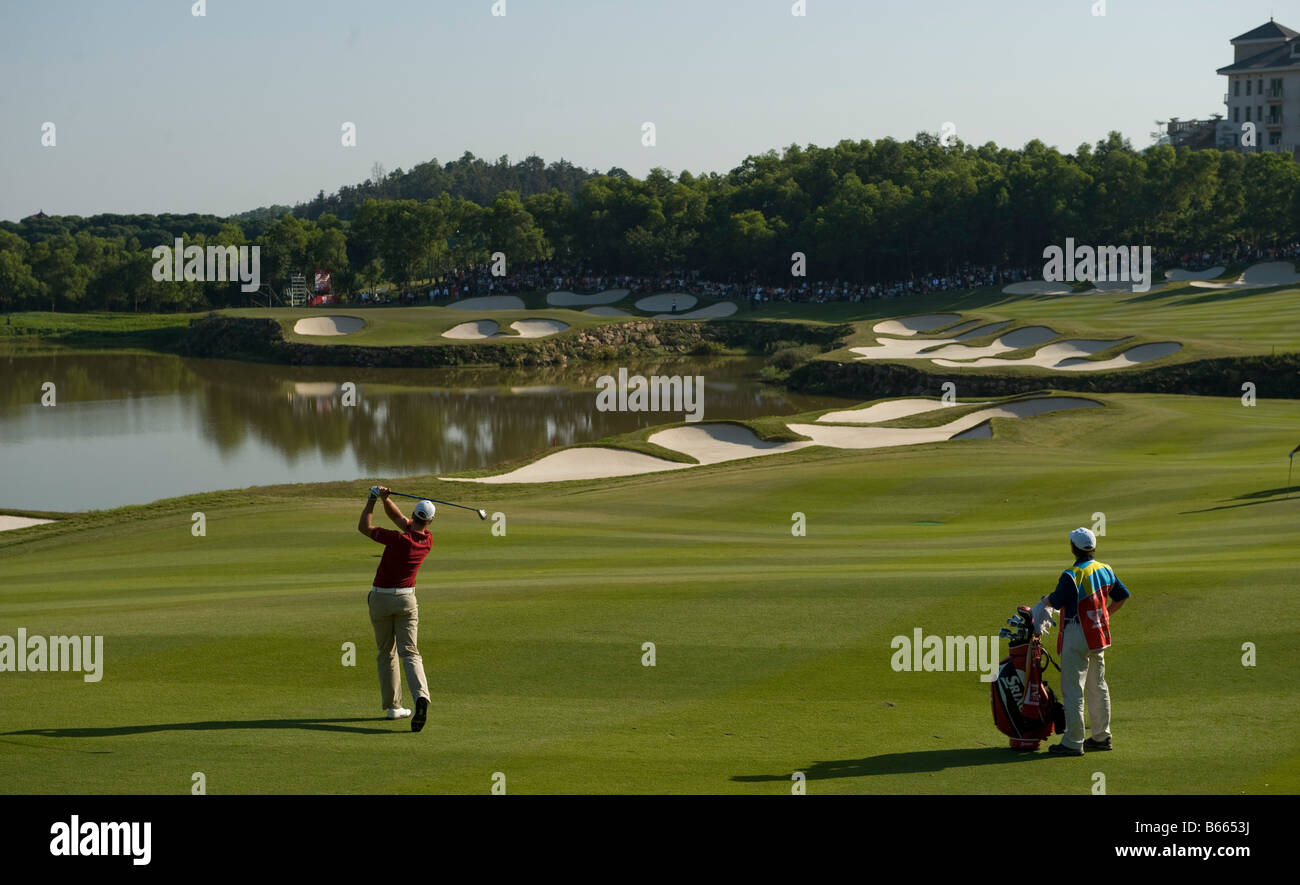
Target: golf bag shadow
point(1024, 707)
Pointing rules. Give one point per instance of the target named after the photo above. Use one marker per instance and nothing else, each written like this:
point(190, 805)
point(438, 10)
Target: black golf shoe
point(1090, 744)
point(1054, 749)
point(421, 713)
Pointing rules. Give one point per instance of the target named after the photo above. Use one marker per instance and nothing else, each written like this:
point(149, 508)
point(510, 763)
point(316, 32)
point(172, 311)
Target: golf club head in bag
point(1024, 707)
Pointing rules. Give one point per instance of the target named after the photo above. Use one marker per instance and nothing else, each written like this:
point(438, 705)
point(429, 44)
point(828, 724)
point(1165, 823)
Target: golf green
point(224, 654)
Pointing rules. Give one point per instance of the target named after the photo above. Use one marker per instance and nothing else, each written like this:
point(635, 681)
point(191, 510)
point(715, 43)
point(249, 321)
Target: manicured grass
point(223, 653)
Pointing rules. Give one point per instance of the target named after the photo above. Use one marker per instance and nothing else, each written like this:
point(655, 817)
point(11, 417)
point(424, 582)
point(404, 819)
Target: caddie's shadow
point(918, 762)
point(336, 725)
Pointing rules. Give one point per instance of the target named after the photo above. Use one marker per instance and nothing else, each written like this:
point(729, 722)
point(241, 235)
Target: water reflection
point(130, 428)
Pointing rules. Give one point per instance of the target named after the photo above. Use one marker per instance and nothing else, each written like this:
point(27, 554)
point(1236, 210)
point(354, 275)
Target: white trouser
point(1083, 671)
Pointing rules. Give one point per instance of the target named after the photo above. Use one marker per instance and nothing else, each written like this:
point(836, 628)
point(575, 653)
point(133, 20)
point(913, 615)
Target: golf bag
point(1024, 707)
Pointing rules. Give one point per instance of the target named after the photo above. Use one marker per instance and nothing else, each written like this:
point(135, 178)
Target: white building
point(1264, 88)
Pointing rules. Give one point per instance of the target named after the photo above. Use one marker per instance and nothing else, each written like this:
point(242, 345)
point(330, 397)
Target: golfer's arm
point(395, 514)
point(1116, 604)
point(363, 524)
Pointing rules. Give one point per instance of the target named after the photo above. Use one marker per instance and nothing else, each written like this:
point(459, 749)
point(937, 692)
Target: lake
point(130, 428)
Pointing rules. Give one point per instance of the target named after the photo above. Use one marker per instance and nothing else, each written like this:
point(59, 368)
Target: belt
point(394, 590)
point(1073, 620)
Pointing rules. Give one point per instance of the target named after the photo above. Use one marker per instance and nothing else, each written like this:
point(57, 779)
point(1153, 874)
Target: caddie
point(1085, 596)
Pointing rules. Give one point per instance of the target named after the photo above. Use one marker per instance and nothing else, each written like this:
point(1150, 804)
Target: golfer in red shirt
point(393, 609)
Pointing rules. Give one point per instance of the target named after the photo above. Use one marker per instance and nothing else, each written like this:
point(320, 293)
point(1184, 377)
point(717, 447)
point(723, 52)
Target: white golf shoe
point(397, 713)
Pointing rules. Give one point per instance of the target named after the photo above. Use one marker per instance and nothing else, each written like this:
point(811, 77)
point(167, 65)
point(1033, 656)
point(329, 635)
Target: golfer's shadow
point(335, 725)
point(918, 762)
point(1264, 496)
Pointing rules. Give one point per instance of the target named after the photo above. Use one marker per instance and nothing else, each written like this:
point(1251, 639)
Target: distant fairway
point(223, 653)
point(1208, 323)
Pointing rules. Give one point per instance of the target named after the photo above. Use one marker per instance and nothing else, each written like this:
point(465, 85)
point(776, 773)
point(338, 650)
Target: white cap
point(1083, 539)
point(424, 510)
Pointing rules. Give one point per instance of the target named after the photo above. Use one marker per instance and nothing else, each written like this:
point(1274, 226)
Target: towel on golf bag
point(1024, 706)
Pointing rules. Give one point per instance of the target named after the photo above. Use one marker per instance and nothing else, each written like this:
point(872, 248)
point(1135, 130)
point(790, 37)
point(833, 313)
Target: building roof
point(1277, 57)
point(1271, 30)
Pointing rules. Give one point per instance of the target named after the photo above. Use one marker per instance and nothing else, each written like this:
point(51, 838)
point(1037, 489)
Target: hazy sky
point(157, 110)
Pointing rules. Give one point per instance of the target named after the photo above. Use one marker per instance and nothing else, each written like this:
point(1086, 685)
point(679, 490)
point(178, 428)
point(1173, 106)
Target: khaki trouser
point(395, 617)
point(1083, 671)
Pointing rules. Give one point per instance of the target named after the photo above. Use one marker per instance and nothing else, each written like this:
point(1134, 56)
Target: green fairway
point(1208, 323)
point(223, 653)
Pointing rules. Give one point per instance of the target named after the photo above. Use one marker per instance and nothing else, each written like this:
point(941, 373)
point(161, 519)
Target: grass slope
point(224, 652)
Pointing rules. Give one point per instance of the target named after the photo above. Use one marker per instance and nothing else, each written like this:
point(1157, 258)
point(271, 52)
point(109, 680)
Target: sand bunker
point(1027, 336)
point(714, 443)
point(1065, 356)
point(585, 462)
point(880, 437)
point(1143, 353)
point(1259, 276)
point(912, 325)
point(328, 325)
point(1072, 356)
point(717, 442)
point(1037, 287)
point(927, 348)
point(10, 523)
point(713, 311)
point(538, 328)
point(489, 302)
point(668, 302)
point(1048, 357)
point(607, 312)
point(1178, 274)
point(569, 299)
point(886, 411)
point(476, 329)
point(490, 329)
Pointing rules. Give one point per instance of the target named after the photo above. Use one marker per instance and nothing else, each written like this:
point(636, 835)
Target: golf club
point(482, 514)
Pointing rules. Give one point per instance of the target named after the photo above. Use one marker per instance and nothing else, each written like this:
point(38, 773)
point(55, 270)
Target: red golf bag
point(1024, 707)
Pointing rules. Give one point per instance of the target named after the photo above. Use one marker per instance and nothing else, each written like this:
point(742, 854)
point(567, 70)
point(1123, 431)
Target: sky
point(158, 110)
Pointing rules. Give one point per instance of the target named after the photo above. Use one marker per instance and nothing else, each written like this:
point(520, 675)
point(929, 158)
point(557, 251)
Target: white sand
point(912, 325)
point(879, 437)
point(1259, 276)
point(1143, 353)
point(570, 299)
point(490, 302)
point(718, 442)
point(328, 325)
point(666, 302)
point(475, 329)
point(607, 312)
point(927, 348)
point(584, 462)
point(538, 328)
point(713, 311)
point(1037, 287)
point(1177, 274)
point(9, 523)
point(886, 411)
point(1027, 336)
point(479, 329)
point(1049, 357)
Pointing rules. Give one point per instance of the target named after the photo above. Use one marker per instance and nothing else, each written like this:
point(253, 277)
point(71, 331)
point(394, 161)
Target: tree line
point(860, 211)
